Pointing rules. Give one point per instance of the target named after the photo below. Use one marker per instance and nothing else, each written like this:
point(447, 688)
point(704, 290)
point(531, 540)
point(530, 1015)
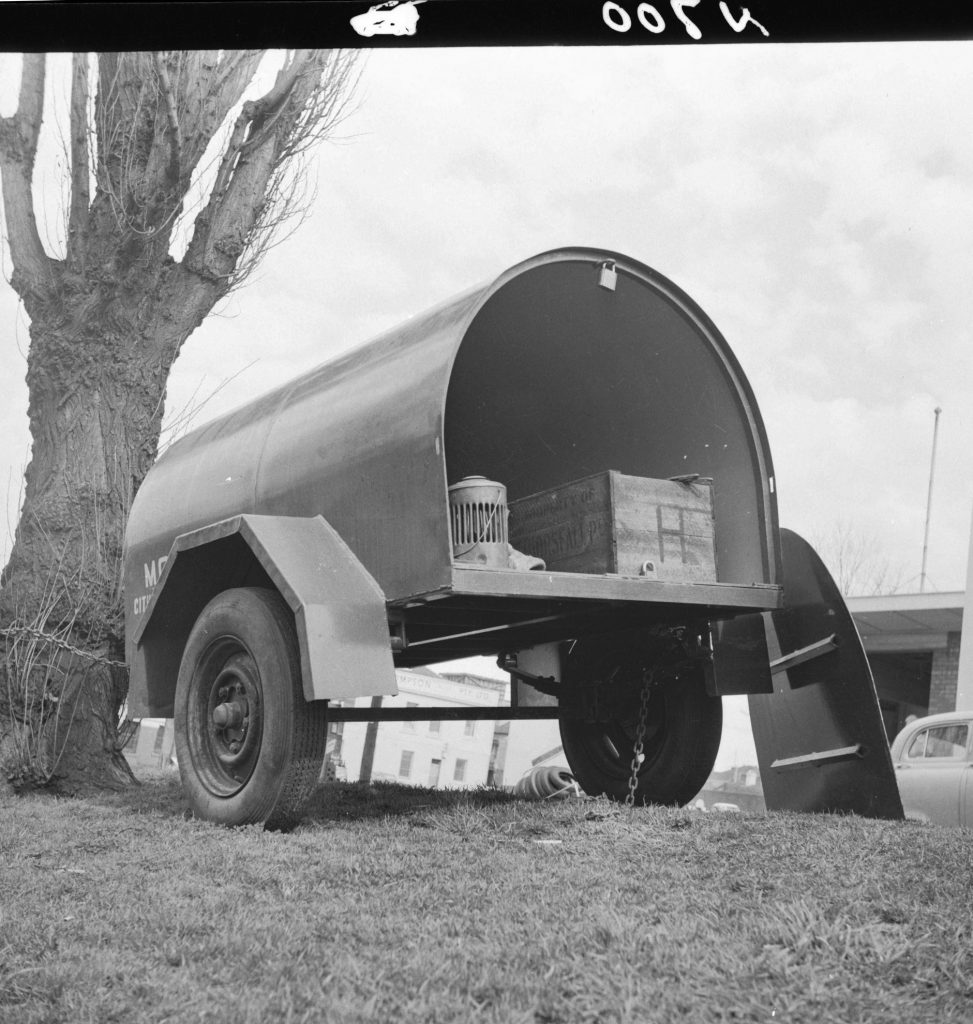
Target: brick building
point(921, 663)
point(913, 645)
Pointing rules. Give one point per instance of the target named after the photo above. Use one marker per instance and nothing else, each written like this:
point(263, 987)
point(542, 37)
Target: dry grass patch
point(399, 904)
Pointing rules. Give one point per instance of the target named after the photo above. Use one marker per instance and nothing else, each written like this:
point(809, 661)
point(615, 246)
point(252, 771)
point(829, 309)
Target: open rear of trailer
point(565, 469)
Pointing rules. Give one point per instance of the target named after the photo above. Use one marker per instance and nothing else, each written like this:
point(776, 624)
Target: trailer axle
point(431, 714)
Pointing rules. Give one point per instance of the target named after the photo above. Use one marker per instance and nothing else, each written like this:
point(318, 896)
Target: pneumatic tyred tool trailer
point(565, 469)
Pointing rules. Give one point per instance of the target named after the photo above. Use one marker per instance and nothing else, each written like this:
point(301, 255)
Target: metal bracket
point(820, 758)
point(543, 684)
point(803, 654)
point(397, 637)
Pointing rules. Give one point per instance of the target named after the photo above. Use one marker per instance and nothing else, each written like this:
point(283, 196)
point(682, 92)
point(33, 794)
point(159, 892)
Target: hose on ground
point(546, 783)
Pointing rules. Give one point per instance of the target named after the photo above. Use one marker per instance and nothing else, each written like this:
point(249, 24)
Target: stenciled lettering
point(153, 570)
point(671, 523)
point(566, 540)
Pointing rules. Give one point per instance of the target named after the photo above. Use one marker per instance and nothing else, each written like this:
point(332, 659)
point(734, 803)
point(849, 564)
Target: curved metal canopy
point(557, 369)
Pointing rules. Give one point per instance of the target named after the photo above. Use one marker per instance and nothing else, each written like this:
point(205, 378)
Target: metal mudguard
point(338, 607)
point(821, 744)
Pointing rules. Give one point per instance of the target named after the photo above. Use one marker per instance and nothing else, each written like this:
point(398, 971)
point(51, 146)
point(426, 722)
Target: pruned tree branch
point(80, 189)
point(172, 117)
point(856, 562)
point(253, 125)
point(250, 199)
point(156, 115)
point(299, 64)
point(32, 268)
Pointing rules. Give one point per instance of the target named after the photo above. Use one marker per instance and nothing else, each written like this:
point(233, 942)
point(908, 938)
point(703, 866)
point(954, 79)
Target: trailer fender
point(820, 740)
point(338, 607)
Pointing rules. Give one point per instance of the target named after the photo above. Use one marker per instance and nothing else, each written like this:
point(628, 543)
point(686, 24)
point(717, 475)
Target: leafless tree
point(108, 317)
point(856, 561)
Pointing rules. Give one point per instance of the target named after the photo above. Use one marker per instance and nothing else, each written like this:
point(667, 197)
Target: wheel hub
point(233, 730)
point(229, 716)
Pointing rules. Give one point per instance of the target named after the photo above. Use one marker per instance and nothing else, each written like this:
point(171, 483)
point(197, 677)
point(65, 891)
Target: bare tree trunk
point(95, 414)
point(107, 322)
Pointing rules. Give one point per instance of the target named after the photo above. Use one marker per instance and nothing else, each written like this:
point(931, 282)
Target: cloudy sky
point(816, 200)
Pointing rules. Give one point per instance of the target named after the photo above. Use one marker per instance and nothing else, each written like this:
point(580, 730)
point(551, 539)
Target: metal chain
point(39, 634)
point(637, 755)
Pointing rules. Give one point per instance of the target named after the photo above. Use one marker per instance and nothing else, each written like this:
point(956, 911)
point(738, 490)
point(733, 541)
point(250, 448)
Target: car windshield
point(941, 741)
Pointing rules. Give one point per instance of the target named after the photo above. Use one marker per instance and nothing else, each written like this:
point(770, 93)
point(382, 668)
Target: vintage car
point(933, 760)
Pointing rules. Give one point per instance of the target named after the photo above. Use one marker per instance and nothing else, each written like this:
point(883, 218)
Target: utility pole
point(368, 752)
point(932, 470)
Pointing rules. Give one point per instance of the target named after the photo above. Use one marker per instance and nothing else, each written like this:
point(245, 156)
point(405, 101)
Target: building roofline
point(935, 601)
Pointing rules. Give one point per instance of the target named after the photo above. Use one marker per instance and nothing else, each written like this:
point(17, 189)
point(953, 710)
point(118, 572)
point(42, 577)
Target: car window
point(941, 741)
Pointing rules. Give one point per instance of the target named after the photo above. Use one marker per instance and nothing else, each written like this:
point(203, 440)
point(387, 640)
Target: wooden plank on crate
point(614, 523)
point(664, 522)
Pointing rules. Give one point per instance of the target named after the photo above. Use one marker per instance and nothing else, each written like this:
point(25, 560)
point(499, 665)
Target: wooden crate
point(612, 523)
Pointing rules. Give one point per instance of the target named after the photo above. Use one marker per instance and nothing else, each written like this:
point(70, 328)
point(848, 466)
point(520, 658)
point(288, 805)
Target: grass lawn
point(394, 904)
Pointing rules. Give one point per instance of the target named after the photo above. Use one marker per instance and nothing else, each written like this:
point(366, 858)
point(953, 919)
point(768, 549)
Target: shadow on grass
point(161, 793)
point(341, 801)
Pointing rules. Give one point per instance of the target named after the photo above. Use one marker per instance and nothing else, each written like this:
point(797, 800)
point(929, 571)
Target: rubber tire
point(255, 629)
point(685, 725)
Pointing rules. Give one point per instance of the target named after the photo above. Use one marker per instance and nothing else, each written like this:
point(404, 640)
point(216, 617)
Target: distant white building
point(450, 754)
point(151, 743)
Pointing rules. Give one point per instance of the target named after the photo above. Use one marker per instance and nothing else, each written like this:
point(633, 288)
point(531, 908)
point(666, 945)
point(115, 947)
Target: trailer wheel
point(249, 746)
point(683, 726)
